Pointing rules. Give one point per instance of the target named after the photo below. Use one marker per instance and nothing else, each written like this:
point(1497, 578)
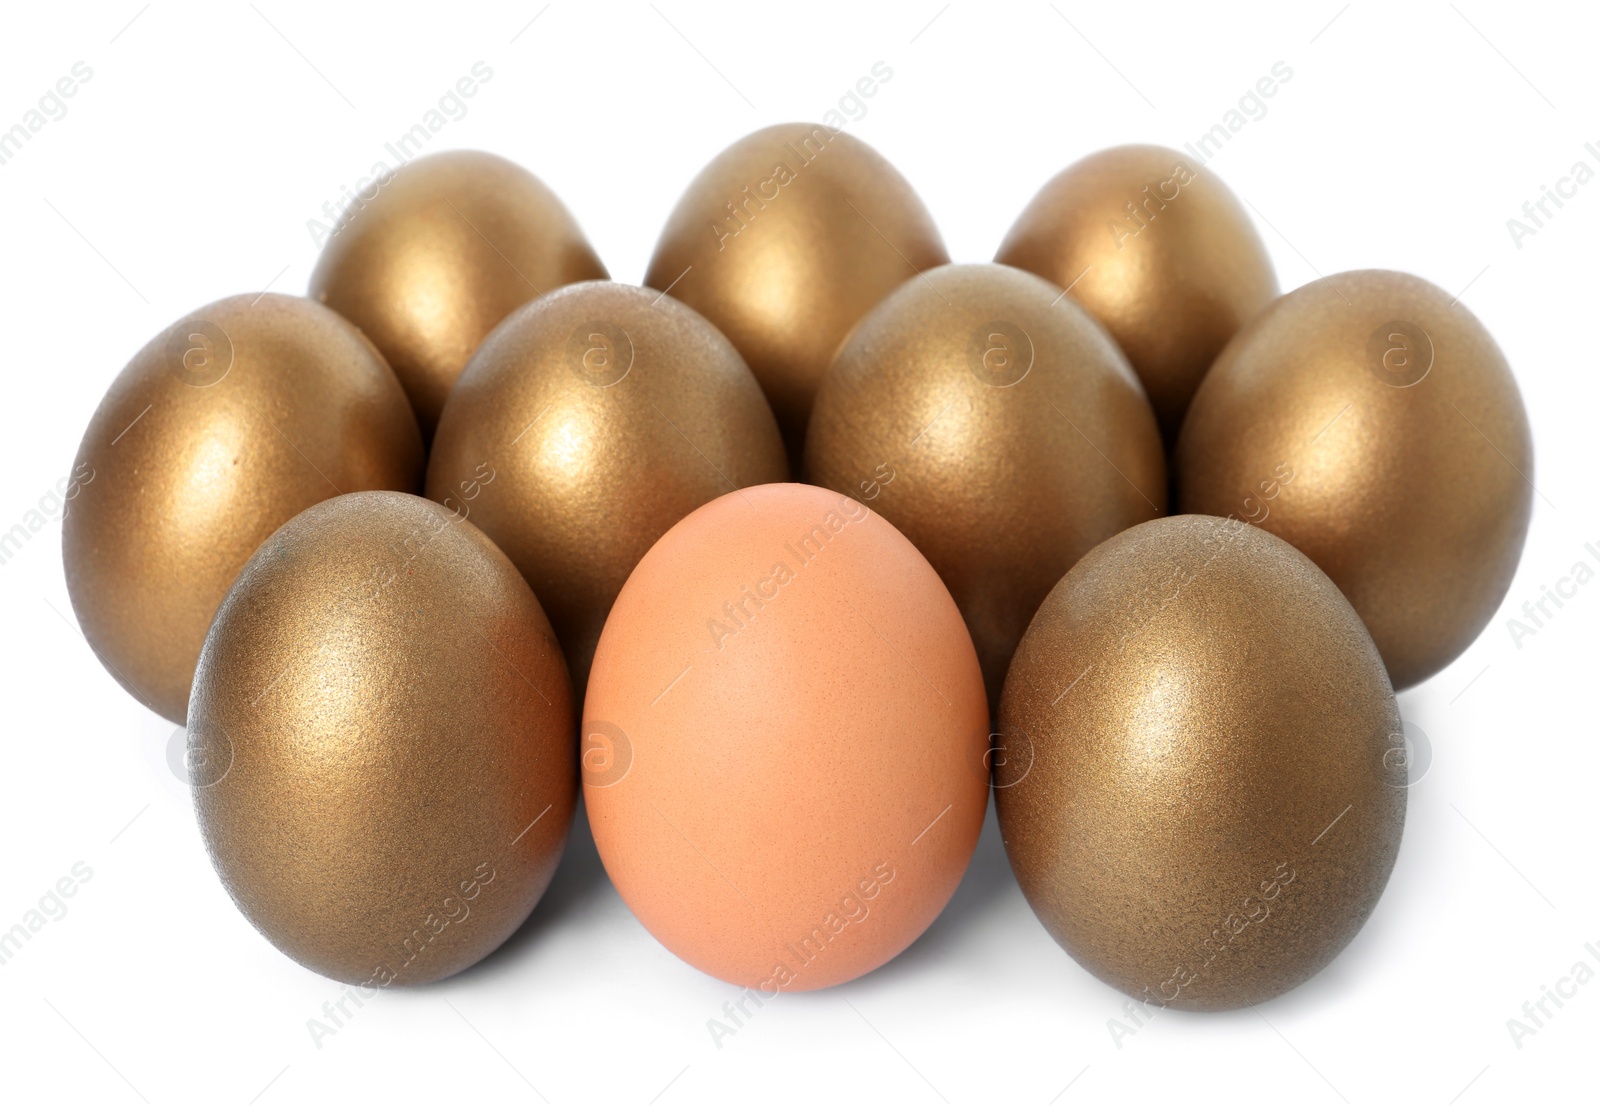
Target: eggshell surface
point(784, 749)
point(784, 241)
point(1159, 251)
point(988, 417)
point(1202, 799)
point(445, 249)
point(381, 742)
point(588, 424)
point(1371, 420)
point(220, 429)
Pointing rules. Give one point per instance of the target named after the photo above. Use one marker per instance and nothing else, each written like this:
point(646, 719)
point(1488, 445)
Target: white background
point(187, 168)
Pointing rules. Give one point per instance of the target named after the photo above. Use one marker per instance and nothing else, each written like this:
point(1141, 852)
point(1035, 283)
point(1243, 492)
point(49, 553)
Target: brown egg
point(222, 428)
point(381, 737)
point(1159, 251)
point(1198, 795)
point(784, 741)
point(784, 241)
point(447, 248)
point(1371, 421)
point(588, 424)
point(997, 426)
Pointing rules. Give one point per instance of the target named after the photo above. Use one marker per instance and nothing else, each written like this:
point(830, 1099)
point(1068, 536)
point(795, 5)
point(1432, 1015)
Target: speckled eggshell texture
point(380, 738)
point(1200, 794)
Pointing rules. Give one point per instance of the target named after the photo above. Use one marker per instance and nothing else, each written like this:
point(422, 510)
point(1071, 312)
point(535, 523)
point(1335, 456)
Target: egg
point(999, 428)
point(1370, 420)
point(445, 248)
point(783, 242)
point(1159, 251)
point(588, 424)
point(223, 427)
point(382, 725)
point(1199, 794)
point(784, 740)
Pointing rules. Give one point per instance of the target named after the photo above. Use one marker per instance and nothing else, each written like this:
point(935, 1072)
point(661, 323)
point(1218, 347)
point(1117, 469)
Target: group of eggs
point(787, 690)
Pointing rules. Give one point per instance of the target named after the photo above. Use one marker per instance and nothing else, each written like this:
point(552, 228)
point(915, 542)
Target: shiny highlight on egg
point(219, 430)
point(1200, 798)
point(1369, 419)
point(783, 242)
point(991, 420)
point(588, 424)
point(1160, 251)
point(382, 734)
point(444, 250)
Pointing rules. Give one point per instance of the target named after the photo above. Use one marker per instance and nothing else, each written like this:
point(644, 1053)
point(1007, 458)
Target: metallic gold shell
point(381, 732)
point(588, 424)
point(997, 426)
point(1371, 421)
point(1199, 794)
point(1159, 251)
point(223, 427)
point(448, 247)
point(784, 241)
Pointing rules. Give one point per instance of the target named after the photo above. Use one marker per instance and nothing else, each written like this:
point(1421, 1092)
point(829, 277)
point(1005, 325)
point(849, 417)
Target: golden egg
point(1199, 792)
point(222, 428)
point(381, 742)
point(1370, 420)
point(995, 424)
point(1159, 251)
point(784, 740)
point(784, 241)
point(443, 252)
point(588, 424)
